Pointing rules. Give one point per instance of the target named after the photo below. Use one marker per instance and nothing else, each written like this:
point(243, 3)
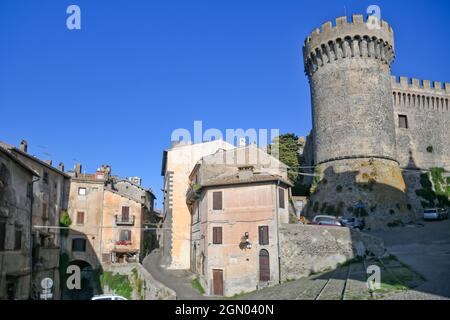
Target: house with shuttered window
point(237, 199)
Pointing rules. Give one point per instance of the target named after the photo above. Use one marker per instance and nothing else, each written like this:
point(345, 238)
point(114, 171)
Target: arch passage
point(264, 265)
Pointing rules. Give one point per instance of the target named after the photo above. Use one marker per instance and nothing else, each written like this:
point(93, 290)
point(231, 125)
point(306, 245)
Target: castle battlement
point(358, 38)
point(422, 86)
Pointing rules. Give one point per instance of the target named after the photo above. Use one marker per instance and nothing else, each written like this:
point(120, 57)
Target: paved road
point(177, 280)
point(426, 250)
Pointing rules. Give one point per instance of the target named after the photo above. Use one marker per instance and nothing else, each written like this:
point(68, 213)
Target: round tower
point(348, 67)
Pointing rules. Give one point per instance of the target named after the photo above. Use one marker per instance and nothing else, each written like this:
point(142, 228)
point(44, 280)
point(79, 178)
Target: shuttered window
point(18, 240)
point(281, 201)
point(263, 235)
point(217, 235)
point(125, 235)
point(125, 213)
point(217, 200)
point(2, 235)
point(80, 217)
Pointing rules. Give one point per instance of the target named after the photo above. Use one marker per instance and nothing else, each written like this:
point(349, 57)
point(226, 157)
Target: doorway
point(217, 282)
point(264, 265)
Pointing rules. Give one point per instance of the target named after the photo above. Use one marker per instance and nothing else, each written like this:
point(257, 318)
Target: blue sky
point(114, 91)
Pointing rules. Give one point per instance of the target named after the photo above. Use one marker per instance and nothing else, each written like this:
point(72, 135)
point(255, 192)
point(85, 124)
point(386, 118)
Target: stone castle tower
point(354, 132)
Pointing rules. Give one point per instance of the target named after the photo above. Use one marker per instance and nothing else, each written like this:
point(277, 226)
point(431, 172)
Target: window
point(125, 213)
point(217, 200)
point(281, 201)
point(217, 235)
point(81, 191)
point(79, 245)
point(18, 240)
point(2, 235)
point(44, 211)
point(45, 178)
point(125, 235)
point(263, 232)
point(402, 121)
point(80, 217)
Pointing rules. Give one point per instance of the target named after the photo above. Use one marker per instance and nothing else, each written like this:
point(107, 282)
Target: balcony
point(124, 220)
point(123, 246)
point(193, 194)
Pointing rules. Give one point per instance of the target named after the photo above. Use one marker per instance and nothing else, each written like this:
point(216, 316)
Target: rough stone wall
point(145, 287)
point(376, 185)
point(15, 212)
point(305, 249)
point(348, 67)
point(427, 110)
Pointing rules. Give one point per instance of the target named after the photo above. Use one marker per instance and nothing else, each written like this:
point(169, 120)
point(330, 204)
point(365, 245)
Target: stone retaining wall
point(145, 287)
point(307, 249)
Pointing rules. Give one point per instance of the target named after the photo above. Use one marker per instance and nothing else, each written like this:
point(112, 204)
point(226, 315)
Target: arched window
point(264, 265)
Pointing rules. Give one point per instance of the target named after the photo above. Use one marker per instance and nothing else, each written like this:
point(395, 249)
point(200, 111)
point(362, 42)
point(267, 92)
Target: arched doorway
point(86, 292)
point(264, 265)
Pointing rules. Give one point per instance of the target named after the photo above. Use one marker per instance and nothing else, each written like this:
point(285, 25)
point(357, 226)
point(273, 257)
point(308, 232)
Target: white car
point(435, 214)
point(108, 297)
point(323, 217)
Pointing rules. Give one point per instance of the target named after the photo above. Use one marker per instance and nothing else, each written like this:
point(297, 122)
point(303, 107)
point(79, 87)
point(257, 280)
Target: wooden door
point(218, 282)
point(264, 266)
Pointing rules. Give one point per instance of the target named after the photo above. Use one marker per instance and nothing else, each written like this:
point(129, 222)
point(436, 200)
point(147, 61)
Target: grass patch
point(118, 283)
point(197, 286)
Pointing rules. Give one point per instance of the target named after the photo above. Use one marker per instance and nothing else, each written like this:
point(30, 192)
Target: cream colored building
point(177, 164)
point(237, 199)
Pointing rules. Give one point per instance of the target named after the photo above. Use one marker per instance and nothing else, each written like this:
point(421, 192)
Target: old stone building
point(108, 220)
point(237, 199)
point(16, 180)
point(49, 199)
point(367, 127)
point(177, 164)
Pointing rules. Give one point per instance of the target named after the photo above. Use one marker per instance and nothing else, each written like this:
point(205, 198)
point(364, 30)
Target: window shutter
point(217, 200)
point(281, 198)
point(217, 235)
point(80, 217)
point(264, 235)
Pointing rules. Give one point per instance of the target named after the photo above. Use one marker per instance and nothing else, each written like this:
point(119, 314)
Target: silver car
point(435, 214)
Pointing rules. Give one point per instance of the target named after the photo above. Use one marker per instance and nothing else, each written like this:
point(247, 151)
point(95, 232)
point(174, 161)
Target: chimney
point(61, 167)
point(78, 169)
point(49, 162)
point(23, 146)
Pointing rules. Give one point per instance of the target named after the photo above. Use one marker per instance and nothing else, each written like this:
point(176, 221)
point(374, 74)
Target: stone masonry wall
point(306, 249)
point(151, 289)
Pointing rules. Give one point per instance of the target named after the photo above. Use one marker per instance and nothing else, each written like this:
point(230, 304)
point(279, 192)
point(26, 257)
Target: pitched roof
point(13, 149)
point(10, 155)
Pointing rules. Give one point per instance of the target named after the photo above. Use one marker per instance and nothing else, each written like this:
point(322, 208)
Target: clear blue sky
point(114, 91)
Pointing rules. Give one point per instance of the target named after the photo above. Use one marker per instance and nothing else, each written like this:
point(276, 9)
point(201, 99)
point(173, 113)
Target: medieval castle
point(373, 136)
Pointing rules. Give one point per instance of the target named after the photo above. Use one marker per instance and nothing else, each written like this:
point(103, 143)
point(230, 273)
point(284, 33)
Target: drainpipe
point(278, 230)
point(31, 236)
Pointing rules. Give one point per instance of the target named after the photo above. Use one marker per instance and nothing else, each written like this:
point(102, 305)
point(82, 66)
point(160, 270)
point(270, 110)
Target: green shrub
point(197, 286)
point(118, 283)
point(65, 222)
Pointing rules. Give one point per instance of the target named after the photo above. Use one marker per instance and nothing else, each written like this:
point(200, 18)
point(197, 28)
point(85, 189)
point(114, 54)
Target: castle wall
point(427, 110)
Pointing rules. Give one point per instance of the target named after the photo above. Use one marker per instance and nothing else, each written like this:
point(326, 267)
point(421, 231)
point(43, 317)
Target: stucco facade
point(178, 163)
point(236, 209)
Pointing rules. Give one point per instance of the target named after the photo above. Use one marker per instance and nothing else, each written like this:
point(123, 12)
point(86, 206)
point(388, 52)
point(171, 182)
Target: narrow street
point(177, 280)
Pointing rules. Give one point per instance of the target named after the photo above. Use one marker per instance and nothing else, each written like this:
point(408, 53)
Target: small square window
point(402, 121)
point(45, 178)
point(81, 191)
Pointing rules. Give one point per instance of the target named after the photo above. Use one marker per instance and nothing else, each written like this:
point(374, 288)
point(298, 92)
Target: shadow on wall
point(78, 251)
point(373, 191)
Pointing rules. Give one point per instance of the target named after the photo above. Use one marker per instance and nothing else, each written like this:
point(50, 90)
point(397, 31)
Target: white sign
point(47, 283)
point(46, 295)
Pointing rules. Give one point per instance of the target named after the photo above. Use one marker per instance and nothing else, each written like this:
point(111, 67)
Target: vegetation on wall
point(437, 196)
point(63, 264)
point(64, 221)
point(288, 147)
point(118, 283)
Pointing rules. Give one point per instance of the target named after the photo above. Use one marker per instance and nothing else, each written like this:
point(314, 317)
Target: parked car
point(353, 223)
point(326, 221)
point(435, 214)
point(108, 297)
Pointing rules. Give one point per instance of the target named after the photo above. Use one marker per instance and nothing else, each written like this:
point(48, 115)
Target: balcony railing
point(125, 220)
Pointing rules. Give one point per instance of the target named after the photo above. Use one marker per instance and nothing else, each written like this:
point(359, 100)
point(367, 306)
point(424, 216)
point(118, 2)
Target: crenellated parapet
point(346, 40)
point(422, 94)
